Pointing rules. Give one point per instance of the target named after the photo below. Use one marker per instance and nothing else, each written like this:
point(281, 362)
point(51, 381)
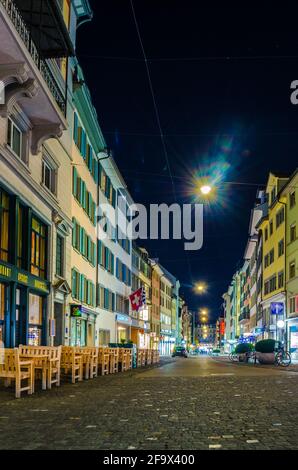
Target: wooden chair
point(54, 366)
point(139, 358)
point(122, 359)
point(128, 353)
point(90, 361)
point(70, 361)
point(39, 356)
point(148, 357)
point(113, 360)
point(142, 358)
point(12, 368)
point(49, 369)
point(103, 361)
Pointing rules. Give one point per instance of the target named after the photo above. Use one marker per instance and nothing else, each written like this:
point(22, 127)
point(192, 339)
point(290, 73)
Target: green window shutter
point(78, 237)
point(93, 295)
point(94, 214)
point(75, 127)
point(89, 256)
point(74, 232)
point(73, 283)
point(82, 231)
point(112, 263)
point(90, 158)
point(99, 254)
point(74, 181)
point(81, 293)
point(93, 254)
point(90, 207)
point(83, 144)
point(95, 170)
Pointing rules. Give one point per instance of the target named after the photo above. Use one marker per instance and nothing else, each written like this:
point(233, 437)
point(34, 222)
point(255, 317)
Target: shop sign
point(13, 274)
point(5, 271)
point(294, 340)
point(123, 319)
point(40, 285)
point(76, 311)
point(23, 278)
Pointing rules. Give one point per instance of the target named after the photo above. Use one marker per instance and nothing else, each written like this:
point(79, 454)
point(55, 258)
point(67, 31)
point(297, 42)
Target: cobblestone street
point(194, 403)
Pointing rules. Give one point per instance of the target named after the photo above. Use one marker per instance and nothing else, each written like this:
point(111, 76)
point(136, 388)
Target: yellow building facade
point(273, 226)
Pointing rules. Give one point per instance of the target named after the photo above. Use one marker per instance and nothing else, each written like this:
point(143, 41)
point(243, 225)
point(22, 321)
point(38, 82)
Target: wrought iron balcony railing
point(21, 27)
point(244, 315)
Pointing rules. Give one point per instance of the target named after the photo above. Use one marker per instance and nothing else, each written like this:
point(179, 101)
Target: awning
point(48, 29)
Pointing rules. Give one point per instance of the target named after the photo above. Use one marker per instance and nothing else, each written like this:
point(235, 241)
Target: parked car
point(180, 351)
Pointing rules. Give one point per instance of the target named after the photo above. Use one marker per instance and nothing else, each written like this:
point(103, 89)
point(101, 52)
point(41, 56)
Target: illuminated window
point(35, 320)
point(38, 248)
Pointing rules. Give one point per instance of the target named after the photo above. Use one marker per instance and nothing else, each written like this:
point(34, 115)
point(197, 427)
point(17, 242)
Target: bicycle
point(282, 358)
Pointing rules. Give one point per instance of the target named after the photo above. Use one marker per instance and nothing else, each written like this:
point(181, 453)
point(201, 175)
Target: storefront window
point(35, 320)
point(38, 248)
point(4, 225)
point(78, 332)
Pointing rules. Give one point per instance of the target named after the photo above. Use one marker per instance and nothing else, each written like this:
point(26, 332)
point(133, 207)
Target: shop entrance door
point(21, 316)
point(3, 315)
point(58, 315)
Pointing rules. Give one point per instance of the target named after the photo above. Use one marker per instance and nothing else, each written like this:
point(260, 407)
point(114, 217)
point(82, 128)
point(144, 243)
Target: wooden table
point(40, 361)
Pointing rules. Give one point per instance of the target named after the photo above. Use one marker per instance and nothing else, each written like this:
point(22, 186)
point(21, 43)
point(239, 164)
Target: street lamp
point(201, 287)
point(206, 189)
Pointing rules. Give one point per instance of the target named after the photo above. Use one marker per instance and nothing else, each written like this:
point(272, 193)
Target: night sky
point(221, 79)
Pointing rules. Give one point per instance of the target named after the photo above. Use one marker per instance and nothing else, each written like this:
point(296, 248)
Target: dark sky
point(221, 79)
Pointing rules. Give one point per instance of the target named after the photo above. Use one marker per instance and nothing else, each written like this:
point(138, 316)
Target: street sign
point(277, 308)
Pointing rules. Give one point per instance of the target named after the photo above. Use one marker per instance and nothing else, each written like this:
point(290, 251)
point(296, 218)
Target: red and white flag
point(137, 299)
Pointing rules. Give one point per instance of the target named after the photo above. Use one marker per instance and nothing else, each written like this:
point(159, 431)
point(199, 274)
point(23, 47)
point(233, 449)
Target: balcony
point(31, 33)
point(244, 316)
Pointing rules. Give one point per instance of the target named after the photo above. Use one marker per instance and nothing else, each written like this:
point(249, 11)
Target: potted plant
point(215, 352)
point(265, 351)
point(243, 350)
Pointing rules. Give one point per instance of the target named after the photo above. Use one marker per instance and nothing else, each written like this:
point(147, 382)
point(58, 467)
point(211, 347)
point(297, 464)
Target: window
point(292, 270)
point(4, 226)
point(15, 138)
point(293, 233)
point(293, 304)
point(280, 217)
point(281, 247)
point(266, 234)
point(35, 320)
point(271, 227)
point(75, 284)
point(271, 256)
point(49, 176)
point(59, 256)
point(292, 199)
point(38, 248)
point(280, 280)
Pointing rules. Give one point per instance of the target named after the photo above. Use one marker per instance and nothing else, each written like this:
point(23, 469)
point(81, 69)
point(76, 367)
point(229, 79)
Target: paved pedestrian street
point(194, 403)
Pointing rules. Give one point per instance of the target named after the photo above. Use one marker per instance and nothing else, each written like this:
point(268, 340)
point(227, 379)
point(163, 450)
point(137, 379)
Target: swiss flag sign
point(136, 299)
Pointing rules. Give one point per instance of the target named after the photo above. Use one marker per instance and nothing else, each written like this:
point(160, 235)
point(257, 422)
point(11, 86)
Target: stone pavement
point(148, 410)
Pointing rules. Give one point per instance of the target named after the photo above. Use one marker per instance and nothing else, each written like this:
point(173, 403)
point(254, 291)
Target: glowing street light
point(206, 189)
point(201, 287)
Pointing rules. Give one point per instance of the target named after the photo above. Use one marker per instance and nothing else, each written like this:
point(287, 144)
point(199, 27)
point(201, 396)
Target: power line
point(190, 59)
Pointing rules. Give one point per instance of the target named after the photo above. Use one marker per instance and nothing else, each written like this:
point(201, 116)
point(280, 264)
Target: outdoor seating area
point(31, 367)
